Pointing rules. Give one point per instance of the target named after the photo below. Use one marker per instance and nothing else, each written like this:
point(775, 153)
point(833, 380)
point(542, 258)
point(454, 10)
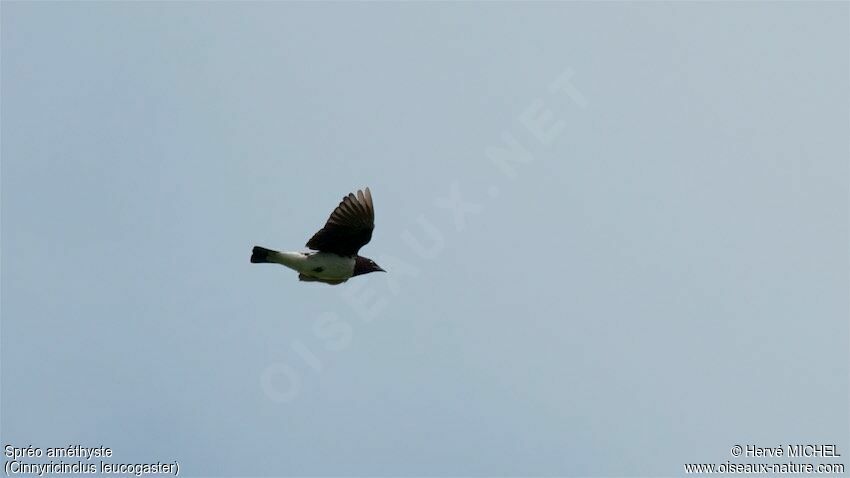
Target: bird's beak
point(379, 269)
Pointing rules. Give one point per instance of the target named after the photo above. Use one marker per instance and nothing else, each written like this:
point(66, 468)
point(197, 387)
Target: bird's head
point(364, 265)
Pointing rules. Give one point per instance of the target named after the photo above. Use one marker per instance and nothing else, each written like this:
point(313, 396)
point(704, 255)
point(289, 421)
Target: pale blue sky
point(667, 277)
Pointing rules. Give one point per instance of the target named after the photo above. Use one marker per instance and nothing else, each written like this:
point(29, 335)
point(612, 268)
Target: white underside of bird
point(322, 266)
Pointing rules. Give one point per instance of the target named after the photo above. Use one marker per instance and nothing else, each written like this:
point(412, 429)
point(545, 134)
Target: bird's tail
point(261, 255)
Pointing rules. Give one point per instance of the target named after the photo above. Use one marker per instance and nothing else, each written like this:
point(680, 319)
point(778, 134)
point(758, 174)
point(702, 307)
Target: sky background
point(666, 276)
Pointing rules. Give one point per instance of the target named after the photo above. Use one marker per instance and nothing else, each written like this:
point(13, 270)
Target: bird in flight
point(348, 229)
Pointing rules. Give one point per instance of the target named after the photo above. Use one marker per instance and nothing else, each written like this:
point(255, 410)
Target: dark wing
point(349, 228)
